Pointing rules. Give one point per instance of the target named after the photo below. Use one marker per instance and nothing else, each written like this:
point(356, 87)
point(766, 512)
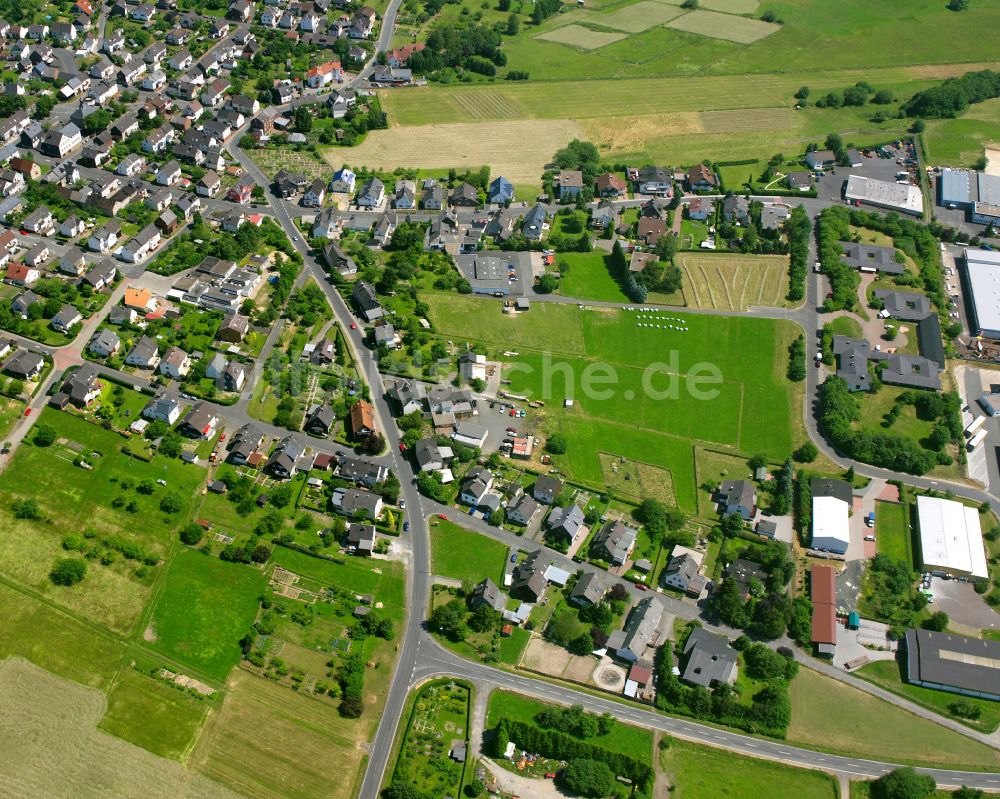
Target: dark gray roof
point(954, 661)
point(488, 592)
point(869, 256)
point(929, 335)
point(914, 371)
point(830, 487)
point(616, 540)
point(904, 305)
point(739, 492)
point(709, 658)
point(852, 361)
point(591, 587)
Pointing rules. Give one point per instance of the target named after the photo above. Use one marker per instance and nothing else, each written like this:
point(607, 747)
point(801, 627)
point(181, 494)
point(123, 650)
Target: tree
point(68, 571)
point(547, 283)
point(192, 534)
point(26, 509)
point(556, 444)
point(918, 126)
point(449, 619)
point(802, 93)
point(586, 778)
point(958, 5)
point(583, 644)
point(45, 435)
point(965, 792)
point(807, 453)
point(351, 706)
point(938, 622)
point(483, 619)
point(513, 25)
point(402, 790)
point(171, 503)
point(302, 120)
point(903, 783)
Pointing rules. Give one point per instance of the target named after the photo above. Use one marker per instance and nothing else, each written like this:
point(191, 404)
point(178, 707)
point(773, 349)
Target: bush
point(26, 509)
point(903, 783)
point(45, 435)
point(68, 571)
point(171, 503)
point(807, 453)
point(589, 777)
point(556, 444)
point(964, 709)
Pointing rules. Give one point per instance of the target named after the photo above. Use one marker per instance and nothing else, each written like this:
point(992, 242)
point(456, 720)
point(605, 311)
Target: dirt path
point(478, 727)
point(522, 786)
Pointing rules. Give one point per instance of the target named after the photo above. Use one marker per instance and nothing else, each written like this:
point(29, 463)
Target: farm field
point(203, 609)
point(511, 148)
point(959, 142)
point(723, 26)
point(52, 746)
point(633, 741)
point(734, 282)
point(893, 531)
point(581, 37)
point(464, 555)
point(299, 747)
point(701, 771)
point(154, 715)
point(77, 501)
point(827, 715)
point(886, 673)
point(750, 410)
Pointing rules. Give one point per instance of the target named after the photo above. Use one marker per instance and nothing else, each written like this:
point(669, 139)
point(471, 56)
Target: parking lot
point(831, 185)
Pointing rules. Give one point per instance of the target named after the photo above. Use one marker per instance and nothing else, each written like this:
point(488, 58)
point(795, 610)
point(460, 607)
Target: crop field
point(52, 747)
point(637, 17)
point(203, 609)
point(490, 105)
point(463, 555)
point(154, 715)
point(749, 410)
point(827, 715)
point(519, 149)
point(724, 26)
point(580, 37)
point(701, 771)
point(299, 747)
point(734, 282)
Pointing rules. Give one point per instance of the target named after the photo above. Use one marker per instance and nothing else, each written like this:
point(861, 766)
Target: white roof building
point(951, 539)
point(982, 272)
point(903, 197)
point(831, 528)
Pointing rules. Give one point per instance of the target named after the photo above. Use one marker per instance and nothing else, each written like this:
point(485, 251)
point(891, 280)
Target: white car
point(402, 504)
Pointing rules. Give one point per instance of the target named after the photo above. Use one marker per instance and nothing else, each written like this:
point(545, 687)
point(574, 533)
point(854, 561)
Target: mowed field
point(650, 407)
point(831, 716)
point(463, 555)
point(959, 142)
point(697, 772)
point(733, 282)
point(51, 746)
point(518, 149)
point(272, 743)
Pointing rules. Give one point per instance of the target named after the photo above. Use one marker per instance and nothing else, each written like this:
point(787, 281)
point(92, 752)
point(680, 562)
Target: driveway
point(963, 605)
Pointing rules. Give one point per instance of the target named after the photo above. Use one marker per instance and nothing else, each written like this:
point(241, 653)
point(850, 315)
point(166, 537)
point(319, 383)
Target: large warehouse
point(976, 192)
point(955, 663)
point(982, 290)
point(831, 504)
point(951, 540)
point(903, 197)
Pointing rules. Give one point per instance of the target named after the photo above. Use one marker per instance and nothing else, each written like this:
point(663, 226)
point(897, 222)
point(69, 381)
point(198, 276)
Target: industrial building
point(981, 278)
point(975, 192)
point(823, 593)
point(956, 663)
point(951, 540)
point(831, 505)
point(497, 273)
point(902, 197)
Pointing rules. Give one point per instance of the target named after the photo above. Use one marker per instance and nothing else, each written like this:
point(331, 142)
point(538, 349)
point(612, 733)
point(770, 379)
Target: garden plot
point(723, 26)
point(637, 479)
point(637, 17)
point(580, 37)
point(438, 725)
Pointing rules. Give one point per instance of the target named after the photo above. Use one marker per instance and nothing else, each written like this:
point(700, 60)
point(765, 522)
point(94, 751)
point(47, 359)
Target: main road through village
point(420, 657)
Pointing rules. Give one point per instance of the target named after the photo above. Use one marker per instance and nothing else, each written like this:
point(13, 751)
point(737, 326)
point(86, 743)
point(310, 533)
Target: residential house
point(702, 178)
point(343, 181)
point(736, 208)
point(104, 343)
point(522, 510)
point(67, 317)
point(315, 194)
point(200, 422)
point(141, 245)
point(371, 194)
point(176, 363)
point(366, 301)
point(610, 185)
point(487, 593)
point(547, 489)
point(22, 275)
point(737, 496)
point(500, 192)
point(568, 184)
point(362, 419)
point(589, 590)
point(105, 238)
point(682, 572)
point(320, 420)
point(710, 660)
point(361, 538)
point(655, 180)
point(25, 365)
point(356, 502)
point(144, 354)
point(614, 543)
point(565, 524)
point(643, 631)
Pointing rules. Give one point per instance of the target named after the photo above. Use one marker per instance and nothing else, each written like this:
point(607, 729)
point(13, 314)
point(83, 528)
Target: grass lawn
point(893, 531)
point(827, 715)
point(356, 575)
point(886, 673)
point(695, 772)
point(632, 741)
point(10, 412)
point(845, 326)
point(148, 712)
point(205, 606)
point(464, 555)
point(590, 277)
point(512, 647)
point(959, 142)
point(875, 406)
point(56, 641)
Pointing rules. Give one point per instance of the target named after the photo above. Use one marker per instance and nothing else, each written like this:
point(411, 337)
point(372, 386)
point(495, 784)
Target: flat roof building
point(902, 197)
point(955, 663)
point(951, 539)
point(823, 593)
point(982, 287)
point(831, 503)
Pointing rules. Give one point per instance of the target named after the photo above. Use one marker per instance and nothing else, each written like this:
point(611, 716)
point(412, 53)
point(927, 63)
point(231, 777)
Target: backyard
point(893, 531)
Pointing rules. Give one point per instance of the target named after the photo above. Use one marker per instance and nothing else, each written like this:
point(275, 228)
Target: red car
point(222, 437)
point(442, 516)
point(642, 586)
point(513, 412)
point(402, 447)
point(353, 326)
point(27, 411)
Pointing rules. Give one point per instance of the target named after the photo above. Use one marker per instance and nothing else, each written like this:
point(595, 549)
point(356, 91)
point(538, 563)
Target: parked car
point(406, 527)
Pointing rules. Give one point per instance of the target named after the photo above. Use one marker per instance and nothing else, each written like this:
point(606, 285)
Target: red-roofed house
point(22, 275)
point(324, 74)
point(398, 57)
point(823, 592)
point(8, 241)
